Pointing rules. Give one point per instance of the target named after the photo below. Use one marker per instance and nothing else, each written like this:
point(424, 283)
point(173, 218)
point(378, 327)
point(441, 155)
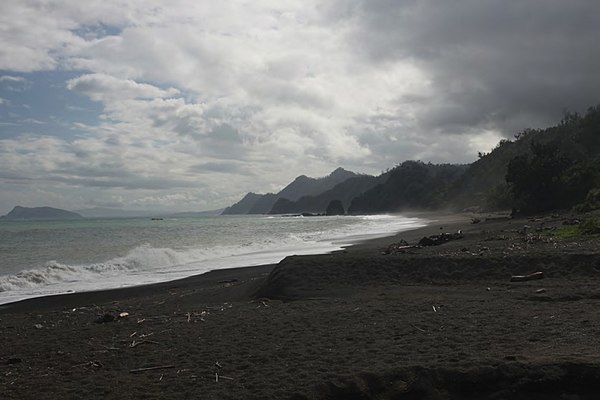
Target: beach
point(384, 319)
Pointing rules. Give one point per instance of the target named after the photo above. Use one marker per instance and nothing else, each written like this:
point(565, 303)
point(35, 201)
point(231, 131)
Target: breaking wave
point(147, 264)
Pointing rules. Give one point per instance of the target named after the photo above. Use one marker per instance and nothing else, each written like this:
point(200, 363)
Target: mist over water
point(51, 257)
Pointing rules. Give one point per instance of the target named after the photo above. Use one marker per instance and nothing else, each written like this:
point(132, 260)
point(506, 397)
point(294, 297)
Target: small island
point(39, 213)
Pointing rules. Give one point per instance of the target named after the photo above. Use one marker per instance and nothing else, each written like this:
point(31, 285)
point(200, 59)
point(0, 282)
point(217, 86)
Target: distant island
point(38, 213)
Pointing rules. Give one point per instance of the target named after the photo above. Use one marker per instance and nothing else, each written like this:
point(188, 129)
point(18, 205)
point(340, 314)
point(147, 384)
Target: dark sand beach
point(375, 321)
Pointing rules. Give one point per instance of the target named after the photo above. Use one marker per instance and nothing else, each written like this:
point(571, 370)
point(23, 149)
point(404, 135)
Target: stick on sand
point(133, 371)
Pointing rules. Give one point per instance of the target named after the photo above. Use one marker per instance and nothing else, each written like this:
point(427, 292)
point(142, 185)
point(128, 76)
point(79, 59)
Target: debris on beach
point(530, 277)
point(137, 370)
point(436, 240)
point(400, 247)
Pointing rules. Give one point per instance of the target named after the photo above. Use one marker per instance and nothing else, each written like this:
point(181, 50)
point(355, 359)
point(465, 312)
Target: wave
point(147, 264)
point(146, 259)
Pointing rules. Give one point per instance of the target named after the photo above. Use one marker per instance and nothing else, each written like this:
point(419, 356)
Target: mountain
point(38, 213)
point(412, 184)
point(344, 192)
point(305, 186)
point(263, 204)
point(244, 205)
point(540, 170)
point(253, 203)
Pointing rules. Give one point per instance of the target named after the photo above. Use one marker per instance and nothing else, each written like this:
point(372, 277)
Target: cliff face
point(37, 213)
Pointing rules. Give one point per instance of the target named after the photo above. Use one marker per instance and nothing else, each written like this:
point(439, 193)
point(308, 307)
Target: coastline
point(374, 320)
point(211, 277)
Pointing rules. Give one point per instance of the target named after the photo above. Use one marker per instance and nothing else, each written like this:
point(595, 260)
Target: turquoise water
point(50, 257)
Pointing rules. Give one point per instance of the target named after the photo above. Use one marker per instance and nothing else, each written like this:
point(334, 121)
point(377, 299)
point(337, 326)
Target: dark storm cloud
point(493, 64)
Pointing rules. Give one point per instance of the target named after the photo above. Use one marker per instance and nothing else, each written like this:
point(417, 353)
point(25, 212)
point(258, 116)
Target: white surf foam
point(146, 264)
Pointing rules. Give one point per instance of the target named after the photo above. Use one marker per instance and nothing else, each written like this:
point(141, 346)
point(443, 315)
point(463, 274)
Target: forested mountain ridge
point(574, 143)
point(254, 203)
point(539, 170)
point(344, 192)
point(410, 185)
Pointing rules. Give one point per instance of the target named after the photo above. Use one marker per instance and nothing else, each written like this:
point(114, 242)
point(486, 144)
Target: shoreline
point(211, 277)
point(378, 320)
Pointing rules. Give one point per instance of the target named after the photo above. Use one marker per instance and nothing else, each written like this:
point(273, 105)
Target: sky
point(188, 105)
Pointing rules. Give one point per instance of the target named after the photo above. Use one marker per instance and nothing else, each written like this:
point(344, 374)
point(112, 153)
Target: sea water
point(40, 258)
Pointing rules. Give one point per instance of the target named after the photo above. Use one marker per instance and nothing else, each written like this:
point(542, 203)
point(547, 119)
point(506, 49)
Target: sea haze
point(51, 257)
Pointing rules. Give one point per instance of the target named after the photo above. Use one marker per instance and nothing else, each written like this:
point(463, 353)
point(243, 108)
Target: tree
point(537, 182)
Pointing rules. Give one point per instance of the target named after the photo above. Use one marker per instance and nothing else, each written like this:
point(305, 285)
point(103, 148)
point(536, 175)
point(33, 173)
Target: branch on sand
point(530, 277)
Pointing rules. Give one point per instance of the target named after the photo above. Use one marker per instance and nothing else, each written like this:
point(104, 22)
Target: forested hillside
point(411, 185)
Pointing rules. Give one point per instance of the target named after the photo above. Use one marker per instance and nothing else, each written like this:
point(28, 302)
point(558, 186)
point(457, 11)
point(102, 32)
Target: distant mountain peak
point(340, 170)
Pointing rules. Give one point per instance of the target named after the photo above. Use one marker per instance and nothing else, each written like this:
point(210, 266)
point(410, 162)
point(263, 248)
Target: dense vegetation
point(412, 184)
point(541, 170)
point(562, 172)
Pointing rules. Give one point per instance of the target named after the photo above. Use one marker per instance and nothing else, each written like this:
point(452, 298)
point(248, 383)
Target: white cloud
point(9, 78)
point(101, 87)
point(281, 88)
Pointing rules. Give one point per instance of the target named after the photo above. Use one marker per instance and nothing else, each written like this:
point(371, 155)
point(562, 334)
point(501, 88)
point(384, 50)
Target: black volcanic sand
point(371, 322)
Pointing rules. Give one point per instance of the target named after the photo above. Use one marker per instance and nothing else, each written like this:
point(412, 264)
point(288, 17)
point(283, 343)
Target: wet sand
point(375, 321)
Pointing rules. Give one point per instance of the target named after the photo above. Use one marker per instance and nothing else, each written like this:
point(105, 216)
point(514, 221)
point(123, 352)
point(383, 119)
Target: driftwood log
point(530, 277)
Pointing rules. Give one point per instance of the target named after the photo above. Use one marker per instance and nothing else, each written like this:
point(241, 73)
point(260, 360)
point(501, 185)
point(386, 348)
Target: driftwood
point(134, 343)
point(530, 277)
point(134, 371)
point(436, 240)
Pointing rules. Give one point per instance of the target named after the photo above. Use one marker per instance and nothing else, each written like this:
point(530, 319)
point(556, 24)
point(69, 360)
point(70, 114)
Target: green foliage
point(577, 137)
point(499, 198)
point(536, 181)
point(565, 232)
point(587, 227)
point(591, 202)
point(561, 168)
point(590, 226)
point(412, 184)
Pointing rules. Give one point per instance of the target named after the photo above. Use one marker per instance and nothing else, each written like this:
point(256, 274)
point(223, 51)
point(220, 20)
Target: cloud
point(491, 65)
point(14, 83)
point(101, 87)
point(9, 78)
point(262, 91)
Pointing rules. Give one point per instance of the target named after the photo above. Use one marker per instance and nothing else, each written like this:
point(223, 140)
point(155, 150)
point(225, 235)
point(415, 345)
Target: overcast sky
point(187, 105)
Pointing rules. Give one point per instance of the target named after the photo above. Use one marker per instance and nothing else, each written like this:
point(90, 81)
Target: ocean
point(40, 258)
